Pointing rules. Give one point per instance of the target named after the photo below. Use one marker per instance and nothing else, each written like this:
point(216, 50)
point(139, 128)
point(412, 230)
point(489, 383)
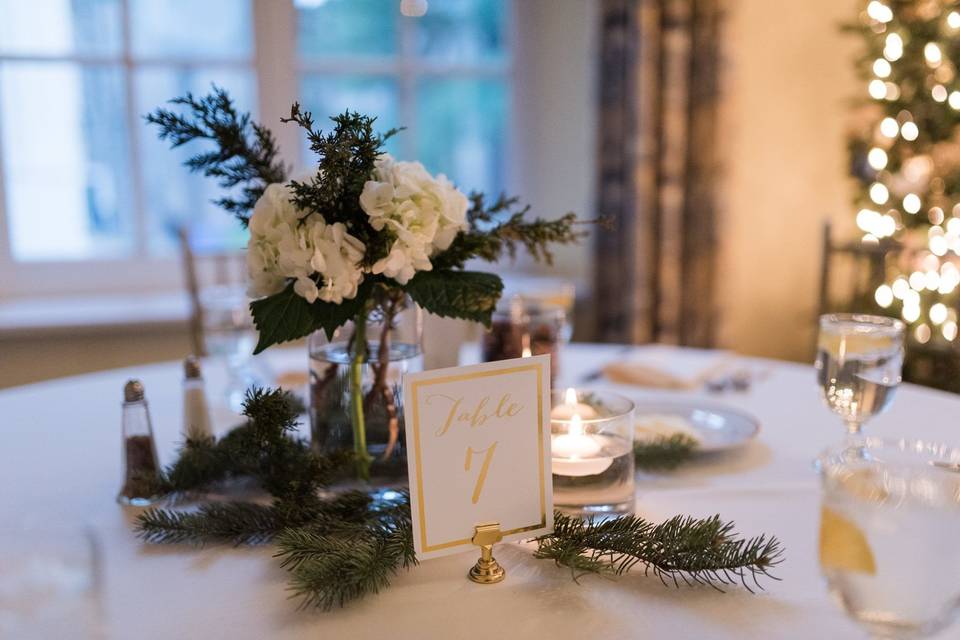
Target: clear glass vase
point(343, 377)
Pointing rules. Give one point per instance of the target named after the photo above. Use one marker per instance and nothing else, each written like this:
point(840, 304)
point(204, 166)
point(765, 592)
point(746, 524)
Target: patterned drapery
point(657, 169)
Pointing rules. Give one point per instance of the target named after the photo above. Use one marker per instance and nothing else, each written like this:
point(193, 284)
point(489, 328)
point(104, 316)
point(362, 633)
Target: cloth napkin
point(665, 367)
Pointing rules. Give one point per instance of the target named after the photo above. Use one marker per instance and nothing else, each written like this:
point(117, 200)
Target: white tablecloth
point(60, 468)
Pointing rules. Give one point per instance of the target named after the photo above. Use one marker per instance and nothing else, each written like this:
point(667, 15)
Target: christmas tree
point(906, 159)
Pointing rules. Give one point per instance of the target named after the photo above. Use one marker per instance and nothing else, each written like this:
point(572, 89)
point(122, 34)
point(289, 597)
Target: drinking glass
point(231, 337)
point(521, 328)
point(859, 359)
point(890, 512)
point(50, 582)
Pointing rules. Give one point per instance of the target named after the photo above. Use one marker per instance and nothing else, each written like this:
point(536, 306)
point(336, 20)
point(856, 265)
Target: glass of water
point(50, 583)
point(859, 360)
point(230, 336)
point(890, 513)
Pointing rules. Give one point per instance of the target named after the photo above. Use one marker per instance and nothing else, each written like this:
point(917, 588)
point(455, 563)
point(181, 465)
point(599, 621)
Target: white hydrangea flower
point(284, 245)
point(336, 256)
point(425, 213)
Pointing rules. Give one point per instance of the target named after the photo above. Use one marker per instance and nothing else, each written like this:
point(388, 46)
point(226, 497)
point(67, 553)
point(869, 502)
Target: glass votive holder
point(592, 453)
point(524, 328)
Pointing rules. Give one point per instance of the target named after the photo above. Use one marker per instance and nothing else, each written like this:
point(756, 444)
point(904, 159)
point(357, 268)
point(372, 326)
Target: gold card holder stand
point(487, 570)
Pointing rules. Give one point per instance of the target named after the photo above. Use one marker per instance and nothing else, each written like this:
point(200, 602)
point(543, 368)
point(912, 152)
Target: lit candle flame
point(576, 426)
point(570, 397)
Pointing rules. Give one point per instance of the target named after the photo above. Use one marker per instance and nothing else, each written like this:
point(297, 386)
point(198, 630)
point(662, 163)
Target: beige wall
point(38, 357)
point(788, 83)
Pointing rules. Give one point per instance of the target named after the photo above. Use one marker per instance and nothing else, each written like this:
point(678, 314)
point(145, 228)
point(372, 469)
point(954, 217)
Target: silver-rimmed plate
point(715, 427)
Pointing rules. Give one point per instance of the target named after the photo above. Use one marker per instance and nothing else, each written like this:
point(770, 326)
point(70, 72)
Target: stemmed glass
point(859, 360)
point(890, 511)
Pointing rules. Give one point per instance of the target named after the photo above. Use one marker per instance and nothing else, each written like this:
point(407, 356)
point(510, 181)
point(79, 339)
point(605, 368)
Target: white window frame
point(277, 70)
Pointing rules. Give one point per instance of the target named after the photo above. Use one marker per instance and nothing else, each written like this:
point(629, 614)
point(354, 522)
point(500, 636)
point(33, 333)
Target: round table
point(60, 469)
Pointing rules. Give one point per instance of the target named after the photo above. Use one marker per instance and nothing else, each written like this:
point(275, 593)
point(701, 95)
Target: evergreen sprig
point(346, 156)
point(261, 449)
point(332, 564)
point(235, 523)
point(702, 551)
point(664, 452)
point(502, 227)
point(245, 152)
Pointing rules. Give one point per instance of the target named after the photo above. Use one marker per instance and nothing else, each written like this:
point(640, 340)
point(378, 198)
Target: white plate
point(714, 426)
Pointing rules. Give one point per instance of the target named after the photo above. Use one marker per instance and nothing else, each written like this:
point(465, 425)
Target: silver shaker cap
point(191, 367)
point(133, 391)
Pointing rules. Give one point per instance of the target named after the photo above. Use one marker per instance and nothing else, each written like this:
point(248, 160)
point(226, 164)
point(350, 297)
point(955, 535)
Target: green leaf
point(281, 317)
point(468, 295)
point(286, 316)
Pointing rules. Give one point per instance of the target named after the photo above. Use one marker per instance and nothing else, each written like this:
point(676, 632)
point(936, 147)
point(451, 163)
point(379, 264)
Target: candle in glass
point(572, 406)
point(592, 453)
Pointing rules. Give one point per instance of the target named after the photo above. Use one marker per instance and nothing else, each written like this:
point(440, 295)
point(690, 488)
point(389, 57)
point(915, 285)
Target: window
point(76, 156)
point(444, 77)
point(84, 183)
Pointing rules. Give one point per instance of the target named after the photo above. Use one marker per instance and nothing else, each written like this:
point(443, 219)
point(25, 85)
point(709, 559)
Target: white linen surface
point(60, 463)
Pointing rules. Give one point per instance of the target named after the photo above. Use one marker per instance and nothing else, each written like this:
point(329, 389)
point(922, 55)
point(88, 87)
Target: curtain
point(658, 90)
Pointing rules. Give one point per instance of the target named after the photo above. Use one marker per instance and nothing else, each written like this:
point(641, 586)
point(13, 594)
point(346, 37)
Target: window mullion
point(6, 257)
point(133, 140)
point(275, 35)
point(407, 88)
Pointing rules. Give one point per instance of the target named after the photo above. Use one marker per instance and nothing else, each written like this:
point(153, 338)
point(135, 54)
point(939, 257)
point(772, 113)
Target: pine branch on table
point(331, 566)
point(704, 551)
point(664, 453)
point(235, 523)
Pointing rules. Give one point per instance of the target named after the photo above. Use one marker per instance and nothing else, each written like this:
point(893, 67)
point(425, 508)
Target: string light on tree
point(884, 296)
point(906, 161)
point(889, 127)
point(879, 193)
point(879, 11)
point(877, 158)
point(893, 49)
point(911, 202)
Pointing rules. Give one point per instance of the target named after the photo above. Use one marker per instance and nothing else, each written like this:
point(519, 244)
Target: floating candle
point(576, 453)
point(572, 407)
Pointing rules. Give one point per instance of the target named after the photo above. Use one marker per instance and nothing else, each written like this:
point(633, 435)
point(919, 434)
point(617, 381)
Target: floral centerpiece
point(353, 242)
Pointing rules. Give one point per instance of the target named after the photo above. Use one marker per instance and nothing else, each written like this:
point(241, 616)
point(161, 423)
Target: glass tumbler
point(890, 514)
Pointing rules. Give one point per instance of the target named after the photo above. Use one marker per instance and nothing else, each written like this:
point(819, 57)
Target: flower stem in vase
point(356, 397)
point(380, 389)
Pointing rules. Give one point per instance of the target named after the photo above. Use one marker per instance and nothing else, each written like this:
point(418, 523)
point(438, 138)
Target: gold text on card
point(484, 468)
point(479, 415)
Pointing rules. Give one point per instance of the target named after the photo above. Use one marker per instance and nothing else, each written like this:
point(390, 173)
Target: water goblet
point(859, 361)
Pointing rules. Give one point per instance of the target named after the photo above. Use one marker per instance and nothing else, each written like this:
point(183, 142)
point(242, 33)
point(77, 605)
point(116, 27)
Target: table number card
point(478, 441)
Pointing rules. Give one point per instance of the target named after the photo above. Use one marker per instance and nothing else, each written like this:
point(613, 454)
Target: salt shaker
point(141, 465)
point(196, 413)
